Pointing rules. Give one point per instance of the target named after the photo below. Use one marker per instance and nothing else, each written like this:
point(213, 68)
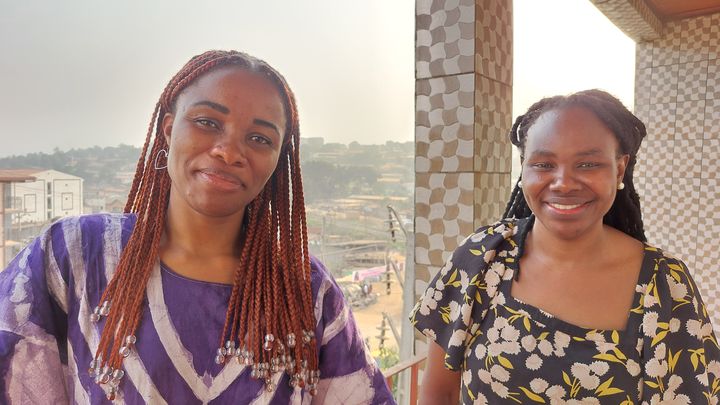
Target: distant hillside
point(330, 170)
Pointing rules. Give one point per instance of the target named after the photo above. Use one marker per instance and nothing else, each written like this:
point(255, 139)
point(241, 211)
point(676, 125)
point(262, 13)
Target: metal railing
point(414, 365)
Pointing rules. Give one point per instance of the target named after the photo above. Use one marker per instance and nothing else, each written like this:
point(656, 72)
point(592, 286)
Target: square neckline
point(550, 321)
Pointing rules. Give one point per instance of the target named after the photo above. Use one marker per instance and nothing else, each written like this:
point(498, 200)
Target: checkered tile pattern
point(666, 50)
point(633, 17)
point(445, 37)
point(444, 214)
point(714, 47)
point(705, 268)
point(712, 119)
point(685, 218)
point(690, 121)
point(463, 113)
point(696, 34)
point(710, 158)
point(713, 80)
point(664, 87)
point(493, 112)
point(492, 191)
point(661, 125)
point(678, 174)
point(692, 81)
point(643, 55)
point(493, 42)
point(423, 275)
point(444, 124)
point(656, 158)
point(643, 84)
point(688, 162)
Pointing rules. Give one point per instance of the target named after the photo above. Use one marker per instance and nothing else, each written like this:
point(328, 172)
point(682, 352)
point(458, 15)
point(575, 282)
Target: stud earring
point(621, 186)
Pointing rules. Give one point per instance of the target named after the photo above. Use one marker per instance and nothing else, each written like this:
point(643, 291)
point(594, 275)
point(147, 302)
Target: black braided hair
point(625, 214)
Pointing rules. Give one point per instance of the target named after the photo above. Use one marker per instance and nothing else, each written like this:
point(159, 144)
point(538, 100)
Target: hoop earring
point(164, 154)
point(621, 186)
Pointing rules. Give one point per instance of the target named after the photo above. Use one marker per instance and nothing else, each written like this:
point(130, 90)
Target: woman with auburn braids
point(204, 291)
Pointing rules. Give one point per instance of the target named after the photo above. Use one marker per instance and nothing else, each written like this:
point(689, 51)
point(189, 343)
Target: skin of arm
point(440, 386)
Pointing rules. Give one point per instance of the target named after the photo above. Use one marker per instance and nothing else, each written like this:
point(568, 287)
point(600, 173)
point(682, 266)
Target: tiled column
point(677, 95)
point(463, 114)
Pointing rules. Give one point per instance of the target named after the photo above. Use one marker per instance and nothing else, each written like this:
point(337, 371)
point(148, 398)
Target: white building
point(53, 194)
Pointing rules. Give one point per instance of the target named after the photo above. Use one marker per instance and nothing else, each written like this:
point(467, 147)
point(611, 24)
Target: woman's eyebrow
point(215, 106)
point(268, 124)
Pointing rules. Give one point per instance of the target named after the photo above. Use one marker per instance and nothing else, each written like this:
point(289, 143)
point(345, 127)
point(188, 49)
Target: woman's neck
point(197, 235)
point(567, 251)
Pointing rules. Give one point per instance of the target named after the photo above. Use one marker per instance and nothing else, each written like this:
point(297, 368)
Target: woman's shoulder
point(489, 241)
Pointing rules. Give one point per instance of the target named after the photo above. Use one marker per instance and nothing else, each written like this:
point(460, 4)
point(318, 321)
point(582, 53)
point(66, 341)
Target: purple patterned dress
point(47, 340)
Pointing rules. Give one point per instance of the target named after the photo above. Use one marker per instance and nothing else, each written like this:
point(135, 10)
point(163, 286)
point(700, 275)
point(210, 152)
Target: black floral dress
point(511, 352)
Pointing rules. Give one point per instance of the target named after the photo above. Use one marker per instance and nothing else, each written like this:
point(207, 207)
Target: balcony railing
point(395, 371)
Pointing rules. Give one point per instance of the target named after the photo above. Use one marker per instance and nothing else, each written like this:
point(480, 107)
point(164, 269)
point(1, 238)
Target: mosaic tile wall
point(633, 17)
point(463, 113)
point(677, 95)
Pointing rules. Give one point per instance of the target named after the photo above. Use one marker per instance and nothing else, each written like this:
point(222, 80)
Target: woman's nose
point(564, 181)
point(230, 151)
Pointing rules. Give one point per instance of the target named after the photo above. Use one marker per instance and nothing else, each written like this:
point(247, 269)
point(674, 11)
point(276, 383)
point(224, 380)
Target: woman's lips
point(565, 208)
point(221, 180)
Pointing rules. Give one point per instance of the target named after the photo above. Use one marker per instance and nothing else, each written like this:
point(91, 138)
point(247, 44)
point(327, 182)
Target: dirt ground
point(370, 317)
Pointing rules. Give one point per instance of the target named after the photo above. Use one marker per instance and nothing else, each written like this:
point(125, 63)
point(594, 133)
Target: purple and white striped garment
point(47, 340)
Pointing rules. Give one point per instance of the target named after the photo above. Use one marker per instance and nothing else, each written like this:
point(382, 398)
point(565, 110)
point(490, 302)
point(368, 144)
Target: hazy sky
point(78, 73)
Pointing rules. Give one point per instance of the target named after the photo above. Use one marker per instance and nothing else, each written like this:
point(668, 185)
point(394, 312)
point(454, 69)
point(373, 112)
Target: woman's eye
point(541, 165)
point(588, 165)
point(207, 123)
point(260, 139)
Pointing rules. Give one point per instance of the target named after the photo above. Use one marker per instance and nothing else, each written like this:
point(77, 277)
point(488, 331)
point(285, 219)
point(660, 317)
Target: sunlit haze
point(80, 73)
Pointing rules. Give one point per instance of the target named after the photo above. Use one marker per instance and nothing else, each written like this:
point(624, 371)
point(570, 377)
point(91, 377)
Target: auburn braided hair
point(270, 321)
point(625, 214)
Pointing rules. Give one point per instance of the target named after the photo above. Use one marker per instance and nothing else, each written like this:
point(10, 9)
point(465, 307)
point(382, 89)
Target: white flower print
point(533, 362)
point(480, 351)
point(457, 338)
point(556, 392)
point(480, 399)
point(538, 385)
point(584, 401)
point(713, 368)
point(657, 366)
point(562, 341)
point(650, 323)
point(454, 311)
point(493, 277)
point(439, 285)
point(464, 281)
point(528, 342)
point(499, 373)
point(499, 389)
point(633, 367)
point(430, 333)
point(698, 329)
point(497, 386)
point(674, 325)
point(545, 347)
point(678, 291)
point(503, 338)
point(669, 397)
point(429, 302)
point(588, 375)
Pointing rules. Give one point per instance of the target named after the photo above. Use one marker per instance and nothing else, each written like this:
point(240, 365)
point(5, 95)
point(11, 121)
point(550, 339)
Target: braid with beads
point(269, 323)
point(625, 214)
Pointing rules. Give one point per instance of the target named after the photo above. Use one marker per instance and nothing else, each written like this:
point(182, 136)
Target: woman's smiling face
point(571, 170)
point(225, 136)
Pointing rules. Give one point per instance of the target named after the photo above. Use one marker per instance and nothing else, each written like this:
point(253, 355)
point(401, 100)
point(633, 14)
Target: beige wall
point(463, 113)
point(677, 95)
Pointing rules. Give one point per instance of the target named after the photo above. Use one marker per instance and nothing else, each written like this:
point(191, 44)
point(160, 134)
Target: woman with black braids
point(563, 302)
point(203, 291)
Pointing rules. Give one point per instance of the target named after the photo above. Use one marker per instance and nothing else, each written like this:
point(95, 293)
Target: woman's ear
point(167, 123)
point(622, 163)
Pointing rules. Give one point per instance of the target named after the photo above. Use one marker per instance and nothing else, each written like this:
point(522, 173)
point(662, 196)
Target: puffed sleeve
point(680, 351)
point(348, 373)
point(33, 327)
point(458, 297)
